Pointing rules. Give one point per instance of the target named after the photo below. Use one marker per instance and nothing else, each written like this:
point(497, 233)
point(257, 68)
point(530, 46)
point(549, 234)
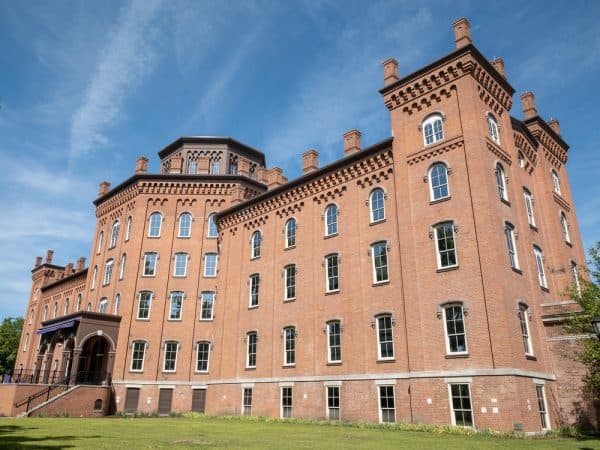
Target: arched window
point(122, 267)
point(213, 231)
point(155, 224)
point(433, 129)
point(377, 205)
point(128, 229)
point(185, 225)
point(100, 242)
point(509, 234)
point(25, 342)
point(192, 167)
point(529, 207)
point(117, 307)
point(521, 158)
point(539, 262)
point(438, 182)
point(290, 233)
point(114, 234)
point(66, 307)
point(456, 335)
point(555, 181)
point(331, 220)
point(523, 313)
point(564, 224)
point(103, 305)
point(94, 276)
point(89, 306)
point(31, 313)
point(255, 244)
point(55, 310)
point(45, 312)
point(215, 167)
point(493, 129)
point(501, 182)
point(78, 305)
point(108, 270)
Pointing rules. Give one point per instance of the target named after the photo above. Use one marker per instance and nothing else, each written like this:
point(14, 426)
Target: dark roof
point(65, 279)
point(542, 123)
point(82, 315)
point(520, 126)
point(450, 56)
point(212, 140)
point(308, 177)
point(176, 177)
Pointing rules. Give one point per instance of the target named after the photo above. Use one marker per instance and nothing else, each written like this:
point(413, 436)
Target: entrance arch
point(93, 364)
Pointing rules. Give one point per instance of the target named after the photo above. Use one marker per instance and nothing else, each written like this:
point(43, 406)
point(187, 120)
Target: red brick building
point(418, 280)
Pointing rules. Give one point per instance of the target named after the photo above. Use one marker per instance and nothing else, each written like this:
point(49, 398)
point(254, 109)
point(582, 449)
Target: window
point(45, 312)
point(575, 277)
point(55, 310)
point(334, 342)
point(155, 224)
point(290, 233)
point(289, 347)
point(433, 129)
point(286, 401)
point(233, 167)
point(89, 306)
point(176, 304)
point(212, 227)
point(255, 244)
point(100, 242)
point(565, 227)
point(501, 182)
point(202, 356)
point(290, 282)
point(78, 305)
point(25, 342)
point(387, 404)
point(460, 403)
point(137, 356)
point(185, 225)
point(380, 265)
point(509, 234)
point(385, 340)
point(122, 266)
point(103, 305)
point(128, 229)
point(114, 234)
point(529, 207)
point(170, 360)
point(542, 407)
point(377, 205)
point(94, 276)
point(108, 268)
point(117, 304)
point(445, 245)
point(247, 401)
point(150, 264)
point(192, 167)
point(207, 300)
point(145, 298)
point(251, 340)
point(331, 220)
point(180, 267)
point(456, 336)
point(31, 313)
point(438, 182)
point(333, 402)
point(65, 309)
point(521, 159)
point(493, 129)
point(523, 313)
point(555, 181)
point(254, 283)
point(539, 262)
point(210, 265)
point(333, 273)
point(215, 167)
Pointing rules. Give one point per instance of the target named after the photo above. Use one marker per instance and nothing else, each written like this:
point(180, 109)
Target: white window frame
point(438, 251)
point(207, 266)
point(114, 234)
point(374, 265)
point(564, 226)
point(192, 167)
point(103, 305)
point(212, 231)
point(511, 245)
point(523, 316)
point(541, 271)
point(137, 316)
point(108, 269)
point(152, 233)
point(176, 296)
point(255, 244)
point(374, 207)
point(289, 351)
point(198, 360)
point(128, 229)
point(430, 177)
point(151, 273)
point(529, 207)
point(173, 360)
point(431, 122)
point(539, 387)
point(379, 342)
point(178, 258)
point(331, 347)
point(94, 277)
point(328, 407)
point(501, 183)
point(331, 220)
point(379, 405)
point(65, 307)
point(212, 305)
point(100, 242)
point(290, 228)
point(332, 272)
point(117, 305)
point(493, 128)
point(289, 273)
point(142, 359)
point(122, 266)
point(453, 411)
point(247, 407)
point(187, 230)
point(254, 334)
point(575, 277)
point(254, 290)
point(447, 336)
point(282, 406)
point(555, 181)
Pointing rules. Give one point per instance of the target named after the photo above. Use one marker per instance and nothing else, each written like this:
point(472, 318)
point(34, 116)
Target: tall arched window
point(94, 276)
point(377, 205)
point(493, 129)
point(433, 129)
point(45, 312)
point(128, 229)
point(213, 231)
point(438, 182)
point(331, 220)
point(501, 182)
point(509, 234)
point(100, 242)
point(66, 307)
point(155, 224)
point(255, 244)
point(78, 305)
point(117, 307)
point(114, 234)
point(564, 224)
point(555, 181)
point(122, 266)
point(185, 225)
point(290, 233)
point(103, 305)
point(55, 310)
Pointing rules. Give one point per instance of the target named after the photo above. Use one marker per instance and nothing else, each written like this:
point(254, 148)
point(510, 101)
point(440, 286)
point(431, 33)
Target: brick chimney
point(555, 125)
point(103, 188)
point(528, 105)
point(351, 142)
point(38, 261)
point(462, 32)
point(80, 264)
point(176, 164)
point(141, 165)
point(390, 71)
point(68, 269)
point(310, 161)
point(275, 177)
point(49, 255)
point(262, 175)
point(498, 64)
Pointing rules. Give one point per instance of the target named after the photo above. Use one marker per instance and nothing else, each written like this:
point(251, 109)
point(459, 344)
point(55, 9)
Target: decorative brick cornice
point(561, 202)
point(554, 151)
point(523, 144)
point(290, 210)
point(123, 197)
point(434, 151)
point(496, 150)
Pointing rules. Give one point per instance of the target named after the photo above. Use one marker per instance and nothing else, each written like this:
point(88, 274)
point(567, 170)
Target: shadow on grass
point(15, 437)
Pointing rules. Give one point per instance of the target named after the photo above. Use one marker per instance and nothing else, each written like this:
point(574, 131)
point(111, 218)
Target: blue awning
point(57, 326)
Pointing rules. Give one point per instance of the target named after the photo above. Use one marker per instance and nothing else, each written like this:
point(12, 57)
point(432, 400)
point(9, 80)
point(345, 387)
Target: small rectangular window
point(334, 342)
point(137, 356)
point(509, 234)
point(290, 282)
point(539, 262)
point(252, 339)
point(176, 305)
point(202, 356)
point(254, 289)
point(180, 266)
point(145, 299)
point(524, 324)
point(529, 207)
point(210, 265)
point(333, 273)
point(206, 306)
point(333, 402)
point(456, 336)
point(445, 246)
point(460, 401)
point(380, 262)
point(150, 264)
point(385, 340)
point(289, 351)
point(542, 407)
point(387, 404)
point(247, 402)
point(286, 402)
point(170, 356)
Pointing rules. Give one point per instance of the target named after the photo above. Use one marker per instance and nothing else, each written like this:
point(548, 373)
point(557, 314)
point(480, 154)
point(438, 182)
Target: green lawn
point(228, 433)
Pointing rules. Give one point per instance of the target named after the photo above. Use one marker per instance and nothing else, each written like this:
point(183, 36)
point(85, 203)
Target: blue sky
point(86, 87)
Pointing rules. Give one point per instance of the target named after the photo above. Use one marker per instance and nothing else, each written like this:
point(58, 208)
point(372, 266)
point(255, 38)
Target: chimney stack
point(262, 175)
point(275, 177)
point(390, 71)
point(103, 188)
point(141, 165)
point(49, 255)
point(498, 64)
point(310, 161)
point(351, 142)
point(528, 105)
point(38, 261)
point(462, 32)
point(68, 269)
point(555, 125)
point(80, 264)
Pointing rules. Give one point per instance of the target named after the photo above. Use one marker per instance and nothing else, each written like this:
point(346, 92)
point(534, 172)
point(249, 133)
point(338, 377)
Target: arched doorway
point(93, 361)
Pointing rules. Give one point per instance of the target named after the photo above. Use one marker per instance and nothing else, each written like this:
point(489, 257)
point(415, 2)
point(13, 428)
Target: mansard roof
point(236, 145)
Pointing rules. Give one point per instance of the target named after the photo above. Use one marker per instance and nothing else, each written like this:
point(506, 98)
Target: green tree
point(588, 297)
point(10, 334)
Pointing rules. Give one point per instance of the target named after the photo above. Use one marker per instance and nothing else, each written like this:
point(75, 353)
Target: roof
point(542, 123)
point(175, 145)
point(521, 127)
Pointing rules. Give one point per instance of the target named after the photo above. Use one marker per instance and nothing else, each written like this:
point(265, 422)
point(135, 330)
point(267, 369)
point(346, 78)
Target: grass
point(235, 432)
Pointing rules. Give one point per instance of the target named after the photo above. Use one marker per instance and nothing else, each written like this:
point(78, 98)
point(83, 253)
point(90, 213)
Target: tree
point(10, 334)
point(588, 298)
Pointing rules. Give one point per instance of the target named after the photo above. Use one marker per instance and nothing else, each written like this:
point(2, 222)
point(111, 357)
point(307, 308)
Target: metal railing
point(43, 395)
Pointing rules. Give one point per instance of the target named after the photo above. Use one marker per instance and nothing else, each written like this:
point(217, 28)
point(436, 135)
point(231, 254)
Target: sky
point(87, 87)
